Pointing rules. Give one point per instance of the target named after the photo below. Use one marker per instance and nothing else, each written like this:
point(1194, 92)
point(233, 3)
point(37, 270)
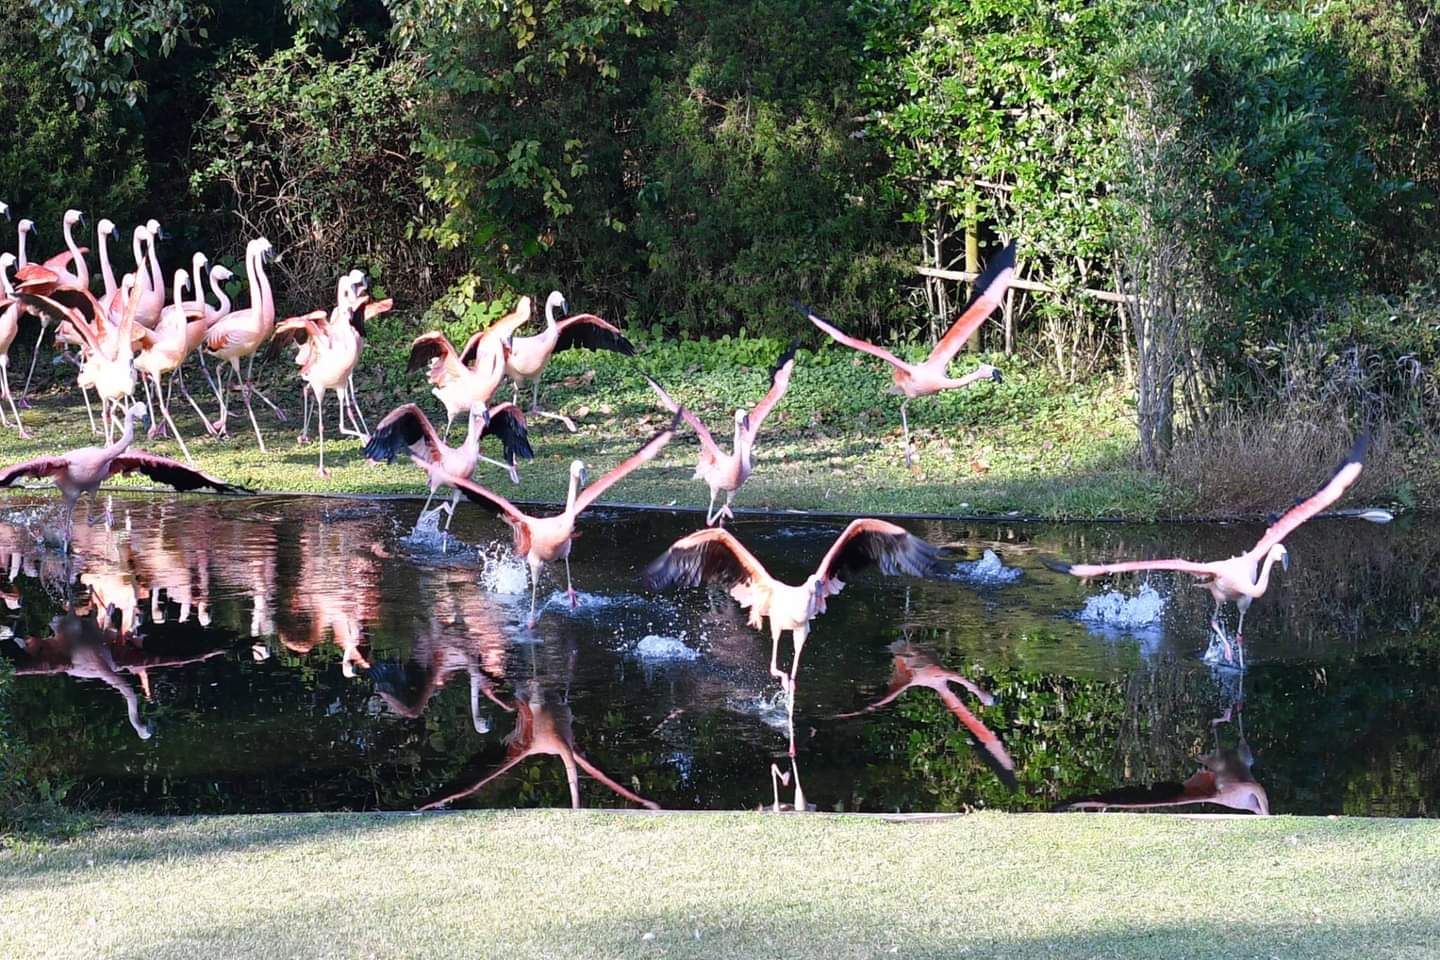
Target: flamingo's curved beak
point(1284, 559)
point(996, 376)
point(745, 422)
point(5, 211)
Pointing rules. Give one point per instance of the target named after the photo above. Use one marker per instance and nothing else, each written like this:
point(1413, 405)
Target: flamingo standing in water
point(9, 327)
point(542, 540)
point(1244, 578)
point(914, 667)
point(239, 336)
point(728, 472)
point(714, 555)
point(923, 379)
point(528, 356)
point(82, 471)
point(407, 428)
point(467, 379)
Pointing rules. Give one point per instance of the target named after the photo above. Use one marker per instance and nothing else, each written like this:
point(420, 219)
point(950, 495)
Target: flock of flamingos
point(127, 332)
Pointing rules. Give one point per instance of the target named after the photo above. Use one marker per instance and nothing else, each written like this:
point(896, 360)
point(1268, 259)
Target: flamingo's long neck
point(267, 300)
point(80, 268)
point(157, 278)
point(23, 233)
point(220, 295)
point(107, 274)
point(1262, 583)
point(127, 436)
point(741, 448)
point(138, 253)
point(574, 492)
point(5, 286)
point(471, 446)
point(195, 269)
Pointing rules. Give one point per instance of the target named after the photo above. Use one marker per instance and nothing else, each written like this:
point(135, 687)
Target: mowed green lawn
point(556, 884)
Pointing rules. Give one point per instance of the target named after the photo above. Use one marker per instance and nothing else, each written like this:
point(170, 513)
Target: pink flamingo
point(529, 355)
point(240, 334)
point(931, 376)
point(728, 472)
point(467, 379)
point(542, 540)
point(1244, 578)
point(9, 327)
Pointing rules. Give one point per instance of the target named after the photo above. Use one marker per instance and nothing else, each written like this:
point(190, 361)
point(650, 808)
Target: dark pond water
point(227, 655)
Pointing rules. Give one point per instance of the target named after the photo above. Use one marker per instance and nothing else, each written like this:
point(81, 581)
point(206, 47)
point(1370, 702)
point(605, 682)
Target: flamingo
point(106, 230)
point(81, 471)
point(714, 555)
point(777, 777)
point(240, 334)
point(9, 327)
point(542, 540)
point(350, 296)
point(529, 355)
point(467, 379)
point(407, 428)
point(163, 351)
point(728, 472)
point(929, 377)
point(1244, 578)
point(914, 667)
point(545, 726)
point(68, 268)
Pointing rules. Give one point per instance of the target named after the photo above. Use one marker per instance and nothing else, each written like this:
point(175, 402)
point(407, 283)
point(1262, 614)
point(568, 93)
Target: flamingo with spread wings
point(923, 379)
point(714, 555)
point(466, 379)
point(729, 471)
point(529, 356)
point(1242, 579)
point(542, 540)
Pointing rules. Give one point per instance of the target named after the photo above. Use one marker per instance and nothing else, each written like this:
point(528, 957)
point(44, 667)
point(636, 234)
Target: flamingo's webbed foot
point(570, 595)
point(303, 439)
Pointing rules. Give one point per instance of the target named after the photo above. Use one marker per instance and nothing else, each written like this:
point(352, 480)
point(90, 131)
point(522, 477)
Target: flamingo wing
point(61, 261)
point(400, 431)
point(646, 453)
point(990, 289)
point(855, 343)
point(867, 541)
point(712, 555)
point(1200, 787)
point(172, 473)
point(36, 277)
point(374, 308)
point(40, 467)
point(703, 432)
point(428, 347)
point(297, 330)
point(1333, 490)
point(1086, 570)
point(507, 422)
point(59, 307)
point(779, 383)
point(591, 332)
point(486, 498)
point(497, 333)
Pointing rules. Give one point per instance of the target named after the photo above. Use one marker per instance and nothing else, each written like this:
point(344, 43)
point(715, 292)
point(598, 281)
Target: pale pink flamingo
point(9, 327)
point(350, 295)
point(240, 334)
point(544, 727)
point(406, 428)
point(67, 268)
point(1244, 578)
point(162, 351)
point(468, 379)
point(923, 379)
point(714, 555)
point(729, 471)
point(82, 471)
point(914, 667)
point(528, 355)
point(542, 540)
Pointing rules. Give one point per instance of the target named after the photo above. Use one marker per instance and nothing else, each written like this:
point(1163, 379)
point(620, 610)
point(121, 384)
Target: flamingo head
point(106, 228)
point(137, 410)
point(7, 261)
point(156, 231)
point(220, 273)
point(26, 225)
point(358, 284)
point(73, 217)
point(1279, 553)
point(742, 420)
point(5, 210)
point(578, 473)
point(992, 372)
point(555, 305)
point(199, 261)
point(144, 730)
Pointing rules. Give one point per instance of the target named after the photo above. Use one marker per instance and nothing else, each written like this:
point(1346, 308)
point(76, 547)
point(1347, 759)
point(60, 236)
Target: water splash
point(1119, 610)
point(989, 570)
point(770, 710)
point(501, 571)
point(653, 647)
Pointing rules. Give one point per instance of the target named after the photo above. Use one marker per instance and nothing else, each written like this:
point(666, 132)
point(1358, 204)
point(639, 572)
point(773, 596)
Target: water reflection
point(300, 655)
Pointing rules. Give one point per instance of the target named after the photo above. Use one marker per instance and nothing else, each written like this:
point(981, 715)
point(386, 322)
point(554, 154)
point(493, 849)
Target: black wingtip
point(1002, 261)
point(785, 357)
point(1059, 566)
point(1358, 451)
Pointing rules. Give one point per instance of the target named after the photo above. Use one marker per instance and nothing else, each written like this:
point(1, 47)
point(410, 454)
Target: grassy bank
point(1031, 445)
point(546, 884)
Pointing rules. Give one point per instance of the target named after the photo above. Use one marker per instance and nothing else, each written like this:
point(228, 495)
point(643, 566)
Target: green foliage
point(316, 154)
point(1270, 186)
point(57, 155)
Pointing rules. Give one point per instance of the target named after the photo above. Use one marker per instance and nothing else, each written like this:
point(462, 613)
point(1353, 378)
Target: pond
point(282, 654)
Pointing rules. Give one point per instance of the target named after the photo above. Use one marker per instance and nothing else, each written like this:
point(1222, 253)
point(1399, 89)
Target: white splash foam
point(1115, 609)
point(502, 572)
point(768, 710)
point(653, 647)
point(989, 569)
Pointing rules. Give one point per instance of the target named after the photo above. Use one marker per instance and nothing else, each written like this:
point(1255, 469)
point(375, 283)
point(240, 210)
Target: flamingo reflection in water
point(914, 667)
point(777, 777)
point(544, 727)
point(340, 571)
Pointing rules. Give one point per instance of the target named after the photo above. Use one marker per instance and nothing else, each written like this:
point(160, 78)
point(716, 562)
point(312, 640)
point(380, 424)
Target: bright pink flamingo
point(240, 334)
point(729, 471)
point(82, 471)
point(1242, 579)
point(467, 379)
point(542, 540)
point(931, 376)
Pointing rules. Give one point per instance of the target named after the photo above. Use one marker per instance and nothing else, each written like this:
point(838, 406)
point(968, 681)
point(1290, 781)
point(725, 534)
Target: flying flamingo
point(82, 471)
point(1244, 578)
point(9, 327)
point(545, 727)
point(407, 428)
point(529, 355)
point(714, 555)
point(467, 379)
point(240, 334)
point(916, 668)
point(924, 379)
point(728, 472)
point(542, 540)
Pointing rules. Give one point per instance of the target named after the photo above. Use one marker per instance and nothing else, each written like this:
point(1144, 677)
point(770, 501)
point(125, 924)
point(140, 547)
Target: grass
point(552, 883)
